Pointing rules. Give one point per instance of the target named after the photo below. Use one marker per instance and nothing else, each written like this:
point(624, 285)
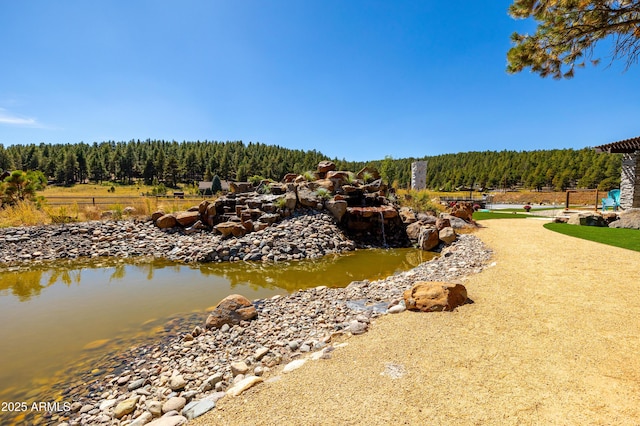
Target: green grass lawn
point(618, 237)
point(494, 215)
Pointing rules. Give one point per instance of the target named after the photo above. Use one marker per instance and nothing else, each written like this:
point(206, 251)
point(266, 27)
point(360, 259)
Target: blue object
point(613, 200)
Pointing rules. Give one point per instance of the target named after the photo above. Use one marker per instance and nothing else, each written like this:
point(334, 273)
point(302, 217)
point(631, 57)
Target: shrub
point(323, 193)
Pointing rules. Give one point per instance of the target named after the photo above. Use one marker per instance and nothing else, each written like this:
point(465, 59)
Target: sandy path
point(552, 338)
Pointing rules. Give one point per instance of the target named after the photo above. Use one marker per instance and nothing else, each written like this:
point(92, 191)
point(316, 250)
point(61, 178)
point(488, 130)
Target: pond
point(57, 320)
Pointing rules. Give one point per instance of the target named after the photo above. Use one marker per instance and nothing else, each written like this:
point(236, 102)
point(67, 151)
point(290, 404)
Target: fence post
point(93, 199)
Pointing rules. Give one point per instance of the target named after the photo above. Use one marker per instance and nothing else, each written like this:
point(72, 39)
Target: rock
point(629, 219)
point(157, 215)
point(587, 219)
point(336, 208)
point(230, 228)
point(428, 238)
point(177, 382)
point(326, 166)
point(463, 210)
point(135, 384)
point(154, 407)
point(260, 353)
point(108, 403)
point(197, 408)
point(142, 419)
point(129, 210)
point(307, 196)
point(203, 207)
point(243, 385)
point(447, 235)
point(435, 296)
point(357, 327)
point(166, 221)
point(407, 215)
point(125, 407)
point(169, 421)
point(442, 222)
point(175, 403)
point(239, 367)
point(293, 365)
point(396, 309)
point(186, 219)
point(456, 222)
point(290, 200)
point(231, 310)
point(240, 187)
point(413, 230)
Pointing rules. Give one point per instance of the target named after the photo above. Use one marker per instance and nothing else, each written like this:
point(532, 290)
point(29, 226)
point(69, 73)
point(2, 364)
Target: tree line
point(172, 163)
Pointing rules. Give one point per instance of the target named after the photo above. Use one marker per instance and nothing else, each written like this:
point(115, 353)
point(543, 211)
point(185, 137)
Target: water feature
point(384, 239)
point(58, 319)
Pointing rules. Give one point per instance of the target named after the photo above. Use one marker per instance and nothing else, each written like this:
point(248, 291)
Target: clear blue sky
point(353, 79)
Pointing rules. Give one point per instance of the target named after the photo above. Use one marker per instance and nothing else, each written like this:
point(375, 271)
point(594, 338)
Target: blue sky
point(353, 79)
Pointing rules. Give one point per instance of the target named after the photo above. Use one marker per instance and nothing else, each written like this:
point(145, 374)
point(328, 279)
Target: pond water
point(55, 318)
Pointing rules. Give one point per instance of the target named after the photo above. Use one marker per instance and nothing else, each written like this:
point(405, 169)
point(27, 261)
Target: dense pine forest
point(172, 163)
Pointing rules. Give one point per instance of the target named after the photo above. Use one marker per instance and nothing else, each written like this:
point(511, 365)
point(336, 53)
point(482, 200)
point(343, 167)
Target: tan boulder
point(307, 196)
point(371, 171)
point(240, 187)
point(166, 221)
point(463, 210)
point(407, 215)
point(290, 200)
point(447, 235)
point(326, 166)
point(442, 222)
point(230, 228)
point(231, 310)
point(289, 177)
point(203, 206)
point(435, 296)
point(187, 218)
point(428, 238)
point(157, 215)
point(337, 208)
point(326, 184)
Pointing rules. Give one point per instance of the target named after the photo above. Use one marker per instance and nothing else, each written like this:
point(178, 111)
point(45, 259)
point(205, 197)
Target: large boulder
point(587, 219)
point(413, 231)
point(186, 219)
point(628, 219)
point(326, 166)
point(290, 200)
point(231, 310)
point(447, 235)
point(240, 187)
point(429, 238)
point(337, 208)
point(230, 228)
point(307, 197)
point(407, 215)
point(166, 221)
point(435, 296)
point(463, 210)
point(157, 215)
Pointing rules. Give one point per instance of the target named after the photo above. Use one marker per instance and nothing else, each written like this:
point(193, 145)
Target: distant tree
point(216, 185)
point(69, 168)
point(149, 171)
point(83, 168)
point(388, 170)
point(97, 167)
point(568, 31)
point(20, 186)
point(173, 170)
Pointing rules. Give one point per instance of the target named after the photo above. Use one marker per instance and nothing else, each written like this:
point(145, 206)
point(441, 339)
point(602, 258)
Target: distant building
point(419, 175)
point(204, 188)
point(630, 178)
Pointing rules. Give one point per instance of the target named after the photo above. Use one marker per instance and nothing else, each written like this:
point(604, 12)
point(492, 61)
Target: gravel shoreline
point(305, 235)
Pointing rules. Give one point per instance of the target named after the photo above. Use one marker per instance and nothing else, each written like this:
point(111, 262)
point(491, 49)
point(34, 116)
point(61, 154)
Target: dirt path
point(552, 338)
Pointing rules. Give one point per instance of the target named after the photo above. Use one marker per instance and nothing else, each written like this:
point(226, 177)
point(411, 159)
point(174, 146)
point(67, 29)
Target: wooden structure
point(630, 178)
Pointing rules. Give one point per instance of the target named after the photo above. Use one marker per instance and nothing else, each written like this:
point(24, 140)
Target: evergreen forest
point(172, 163)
